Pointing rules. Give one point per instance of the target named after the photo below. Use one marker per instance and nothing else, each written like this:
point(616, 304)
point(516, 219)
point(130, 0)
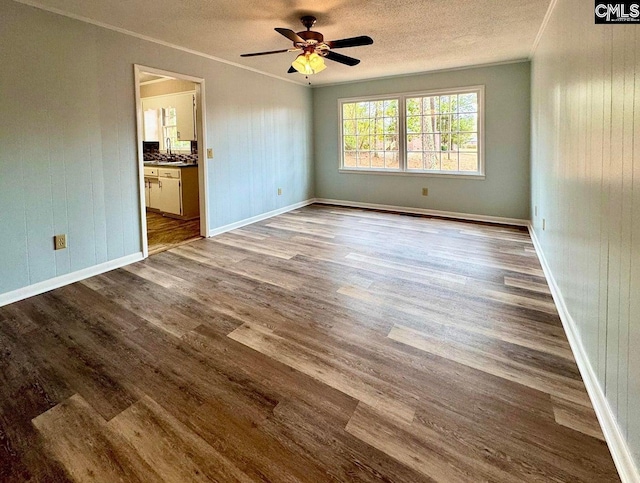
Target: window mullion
point(402, 134)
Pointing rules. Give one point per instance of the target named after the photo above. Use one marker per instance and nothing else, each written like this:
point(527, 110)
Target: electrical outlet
point(59, 242)
point(210, 153)
point(279, 191)
point(544, 224)
point(425, 191)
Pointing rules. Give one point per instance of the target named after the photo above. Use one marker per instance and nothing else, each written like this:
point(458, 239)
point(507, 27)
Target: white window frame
point(402, 135)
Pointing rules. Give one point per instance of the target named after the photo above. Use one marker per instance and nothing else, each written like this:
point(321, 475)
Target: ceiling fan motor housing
point(308, 35)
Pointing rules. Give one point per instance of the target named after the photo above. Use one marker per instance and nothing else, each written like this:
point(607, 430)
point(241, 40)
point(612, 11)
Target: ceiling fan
point(314, 49)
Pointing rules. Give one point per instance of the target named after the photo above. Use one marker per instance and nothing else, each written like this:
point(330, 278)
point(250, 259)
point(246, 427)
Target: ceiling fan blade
point(265, 53)
point(350, 42)
point(291, 35)
point(343, 59)
point(291, 70)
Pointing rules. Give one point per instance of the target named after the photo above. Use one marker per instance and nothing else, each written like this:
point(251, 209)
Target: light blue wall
point(504, 192)
point(585, 185)
point(68, 144)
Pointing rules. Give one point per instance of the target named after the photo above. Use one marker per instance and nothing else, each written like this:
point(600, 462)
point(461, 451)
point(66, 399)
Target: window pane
point(430, 142)
point(413, 106)
point(363, 143)
point(445, 121)
point(391, 108)
point(468, 161)
point(349, 143)
point(349, 127)
point(377, 159)
point(414, 124)
point(468, 102)
point(349, 111)
point(431, 124)
point(455, 122)
point(350, 159)
point(391, 160)
point(362, 110)
point(432, 160)
point(363, 159)
point(170, 116)
point(453, 106)
point(468, 141)
point(391, 143)
point(444, 104)
point(363, 127)
point(449, 161)
point(414, 161)
point(378, 125)
point(414, 142)
point(430, 105)
point(390, 125)
point(377, 109)
point(469, 122)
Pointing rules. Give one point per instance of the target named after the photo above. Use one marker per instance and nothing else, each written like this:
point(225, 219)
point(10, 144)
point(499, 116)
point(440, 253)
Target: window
point(170, 130)
point(370, 134)
point(441, 133)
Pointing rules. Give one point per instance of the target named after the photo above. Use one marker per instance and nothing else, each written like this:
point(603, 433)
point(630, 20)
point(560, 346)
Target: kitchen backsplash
point(185, 158)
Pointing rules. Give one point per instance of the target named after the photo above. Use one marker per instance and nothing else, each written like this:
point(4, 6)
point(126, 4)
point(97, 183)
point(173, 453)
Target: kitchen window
point(429, 133)
point(170, 130)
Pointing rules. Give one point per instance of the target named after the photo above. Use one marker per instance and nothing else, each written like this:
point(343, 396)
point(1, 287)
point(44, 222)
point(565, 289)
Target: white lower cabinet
point(154, 194)
point(170, 196)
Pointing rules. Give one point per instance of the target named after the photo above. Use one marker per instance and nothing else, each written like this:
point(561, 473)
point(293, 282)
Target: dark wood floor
point(326, 344)
point(164, 232)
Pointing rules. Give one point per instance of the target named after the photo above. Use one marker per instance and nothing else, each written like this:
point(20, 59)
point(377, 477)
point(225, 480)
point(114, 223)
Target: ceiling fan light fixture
point(308, 63)
point(317, 63)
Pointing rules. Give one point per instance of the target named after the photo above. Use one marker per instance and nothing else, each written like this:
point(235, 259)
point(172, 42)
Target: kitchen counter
point(169, 164)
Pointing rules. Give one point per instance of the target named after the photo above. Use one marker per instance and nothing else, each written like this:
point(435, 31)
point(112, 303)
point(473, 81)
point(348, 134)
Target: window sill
point(456, 175)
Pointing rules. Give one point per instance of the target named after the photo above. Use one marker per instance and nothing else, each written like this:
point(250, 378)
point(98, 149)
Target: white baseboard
point(263, 216)
point(47, 285)
point(618, 446)
point(424, 211)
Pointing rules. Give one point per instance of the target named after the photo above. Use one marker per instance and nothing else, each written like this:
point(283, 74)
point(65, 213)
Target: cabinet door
point(170, 196)
point(185, 116)
point(146, 193)
point(154, 194)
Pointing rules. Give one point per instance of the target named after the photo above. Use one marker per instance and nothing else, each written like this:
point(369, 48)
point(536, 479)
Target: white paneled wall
point(68, 157)
point(586, 187)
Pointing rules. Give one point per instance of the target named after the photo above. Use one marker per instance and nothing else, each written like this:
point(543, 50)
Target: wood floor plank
point(527, 285)
point(170, 447)
point(576, 416)
point(79, 438)
point(381, 396)
point(545, 381)
point(423, 451)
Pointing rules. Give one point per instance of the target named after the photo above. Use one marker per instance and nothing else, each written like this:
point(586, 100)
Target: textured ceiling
point(409, 35)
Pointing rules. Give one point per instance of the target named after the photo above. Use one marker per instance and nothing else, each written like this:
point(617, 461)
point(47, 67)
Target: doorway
point(171, 158)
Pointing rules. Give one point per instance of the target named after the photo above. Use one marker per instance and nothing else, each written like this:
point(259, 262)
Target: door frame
point(201, 122)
